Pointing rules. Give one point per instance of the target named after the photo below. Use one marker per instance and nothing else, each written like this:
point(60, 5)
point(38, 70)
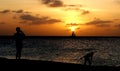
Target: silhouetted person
point(73, 34)
point(88, 58)
point(19, 35)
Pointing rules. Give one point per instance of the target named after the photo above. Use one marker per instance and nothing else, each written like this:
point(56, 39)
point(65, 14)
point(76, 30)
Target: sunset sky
point(60, 17)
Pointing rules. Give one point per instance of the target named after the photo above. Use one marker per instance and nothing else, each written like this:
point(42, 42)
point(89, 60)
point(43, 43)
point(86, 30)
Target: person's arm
point(22, 33)
point(91, 56)
point(83, 57)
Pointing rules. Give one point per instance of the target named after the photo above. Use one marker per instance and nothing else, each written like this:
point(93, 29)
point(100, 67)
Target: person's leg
point(85, 61)
point(19, 53)
point(89, 61)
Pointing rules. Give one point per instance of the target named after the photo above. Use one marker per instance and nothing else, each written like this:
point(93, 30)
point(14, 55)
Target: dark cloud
point(73, 24)
point(100, 23)
point(18, 11)
point(39, 20)
point(116, 19)
point(103, 25)
point(56, 4)
point(76, 8)
point(14, 17)
point(14, 11)
point(69, 9)
point(78, 28)
point(117, 1)
point(53, 3)
point(5, 11)
point(118, 25)
point(72, 5)
point(46, 1)
point(28, 17)
point(2, 23)
point(59, 3)
point(84, 12)
point(23, 22)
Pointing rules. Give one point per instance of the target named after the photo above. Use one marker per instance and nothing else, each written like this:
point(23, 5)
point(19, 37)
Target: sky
point(60, 17)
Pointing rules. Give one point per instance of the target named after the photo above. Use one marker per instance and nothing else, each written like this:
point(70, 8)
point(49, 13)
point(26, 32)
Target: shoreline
point(31, 64)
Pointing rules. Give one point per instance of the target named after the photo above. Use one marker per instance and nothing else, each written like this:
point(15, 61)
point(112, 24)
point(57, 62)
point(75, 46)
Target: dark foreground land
point(24, 64)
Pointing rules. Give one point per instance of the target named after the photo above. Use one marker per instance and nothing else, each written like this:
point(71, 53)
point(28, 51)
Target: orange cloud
point(100, 23)
point(117, 1)
point(38, 20)
point(84, 12)
point(5, 11)
point(52, 3)
point(2, 23)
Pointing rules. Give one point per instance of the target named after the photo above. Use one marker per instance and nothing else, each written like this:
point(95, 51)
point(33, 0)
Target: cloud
point(52, 3)
point(118, 25)
point(14, 17)
point(57, 3)
point(117, 1)
point(46, 1)
point(69, 9)
point(116, 19)
point(78, 28)
point(100, 23)
point(38, 20)
point(28, 17)
point(23, 22)
point(14, 11)
point(72, 5)
point(5, 11)
point(76, 8)
point(18, 11)
point(2, 23)
point(73, 24)
point(84, 12)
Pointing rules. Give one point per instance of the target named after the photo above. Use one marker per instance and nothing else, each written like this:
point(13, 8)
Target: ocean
point(68, 50)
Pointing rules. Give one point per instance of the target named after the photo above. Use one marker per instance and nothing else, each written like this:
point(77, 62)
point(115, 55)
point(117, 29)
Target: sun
point(72, 29)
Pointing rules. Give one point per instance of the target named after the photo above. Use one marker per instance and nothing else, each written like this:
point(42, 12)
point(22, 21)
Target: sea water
point(69, 50)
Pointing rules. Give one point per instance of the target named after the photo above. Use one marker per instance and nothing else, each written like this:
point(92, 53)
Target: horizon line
point(58, 36)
